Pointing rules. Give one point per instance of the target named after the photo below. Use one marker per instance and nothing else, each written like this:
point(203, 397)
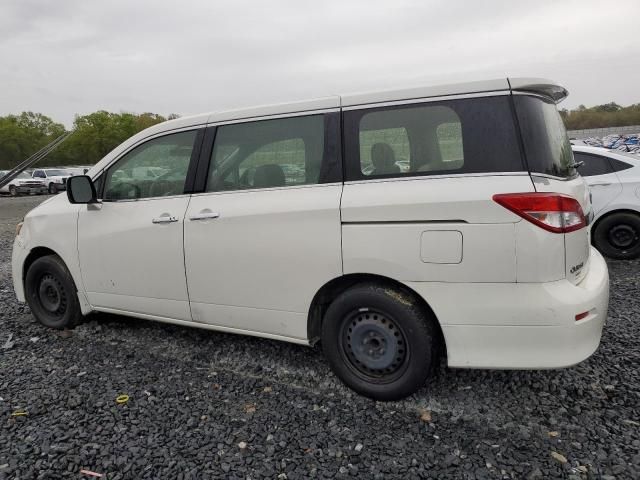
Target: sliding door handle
point(204, 216)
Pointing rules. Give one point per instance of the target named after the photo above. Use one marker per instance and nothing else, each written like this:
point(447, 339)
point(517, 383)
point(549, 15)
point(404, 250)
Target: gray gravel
point(211, 405)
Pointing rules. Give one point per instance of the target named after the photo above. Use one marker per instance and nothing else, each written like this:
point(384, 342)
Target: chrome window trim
point(306, 113)
point(436, 177)
point(412, 101)
point(554, 177)
point(268, 189)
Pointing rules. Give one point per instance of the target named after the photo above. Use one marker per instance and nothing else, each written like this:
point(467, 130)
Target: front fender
point(52, 226)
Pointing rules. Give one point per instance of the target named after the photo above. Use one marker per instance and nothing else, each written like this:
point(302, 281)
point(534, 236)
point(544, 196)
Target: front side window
point(157, 168)
point(592, 164)
point(39, 174)
point(267, 154)
point(474, 135)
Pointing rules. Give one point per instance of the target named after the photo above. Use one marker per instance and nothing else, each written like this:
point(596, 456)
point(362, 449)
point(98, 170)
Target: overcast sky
point(76, 56)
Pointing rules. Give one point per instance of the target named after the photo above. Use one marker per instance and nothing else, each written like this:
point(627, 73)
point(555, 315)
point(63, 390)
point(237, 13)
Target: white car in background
point(23, 183)
point(614, 181)
point(55, 179)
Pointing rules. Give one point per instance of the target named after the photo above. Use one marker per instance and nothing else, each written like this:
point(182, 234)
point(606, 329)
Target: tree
point(24, 134)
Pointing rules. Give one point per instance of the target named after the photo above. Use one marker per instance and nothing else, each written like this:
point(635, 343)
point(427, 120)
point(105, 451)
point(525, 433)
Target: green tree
point(24, 134)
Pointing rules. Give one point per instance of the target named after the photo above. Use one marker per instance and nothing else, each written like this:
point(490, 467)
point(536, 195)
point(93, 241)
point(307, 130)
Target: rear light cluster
point(553, 212)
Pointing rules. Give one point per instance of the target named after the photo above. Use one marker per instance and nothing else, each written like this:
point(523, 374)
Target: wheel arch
point(41, 251)
point(330, 290)
point(34, 254)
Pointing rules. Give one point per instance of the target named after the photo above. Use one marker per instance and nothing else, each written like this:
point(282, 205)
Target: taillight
point(554, 212)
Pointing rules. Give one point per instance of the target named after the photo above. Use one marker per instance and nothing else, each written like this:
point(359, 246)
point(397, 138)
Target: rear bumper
point(521, 325)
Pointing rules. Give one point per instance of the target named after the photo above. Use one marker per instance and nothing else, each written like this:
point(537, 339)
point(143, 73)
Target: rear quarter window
point(546, 144)
point(592, 164)
point(474, 135)
point(619, 165)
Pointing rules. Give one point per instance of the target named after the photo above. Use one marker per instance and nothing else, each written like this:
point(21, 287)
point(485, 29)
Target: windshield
point(56, 173)
point(545, 139)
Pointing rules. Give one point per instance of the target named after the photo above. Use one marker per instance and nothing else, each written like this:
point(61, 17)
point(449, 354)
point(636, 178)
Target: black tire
point(379, 342)
point(52, 188)
point(52, 294)
point(618, 236)
point(13, 191)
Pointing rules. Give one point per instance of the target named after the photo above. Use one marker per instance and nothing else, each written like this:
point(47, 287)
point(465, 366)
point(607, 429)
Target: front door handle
point(204, 216)
point(600, 184)
point(164, 219)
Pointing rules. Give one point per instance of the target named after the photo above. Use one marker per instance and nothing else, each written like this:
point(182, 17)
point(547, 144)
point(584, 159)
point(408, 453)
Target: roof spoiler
point(541, 86)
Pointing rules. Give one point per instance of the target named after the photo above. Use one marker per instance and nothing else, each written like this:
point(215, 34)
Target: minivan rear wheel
point(618, 236)
point(51, 293)
point(378, 341)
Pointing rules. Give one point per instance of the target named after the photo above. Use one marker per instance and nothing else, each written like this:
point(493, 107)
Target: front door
point(265, 235)
point(131, 245)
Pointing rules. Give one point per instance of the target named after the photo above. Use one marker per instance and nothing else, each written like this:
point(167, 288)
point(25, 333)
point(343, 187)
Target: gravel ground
point(211, 405)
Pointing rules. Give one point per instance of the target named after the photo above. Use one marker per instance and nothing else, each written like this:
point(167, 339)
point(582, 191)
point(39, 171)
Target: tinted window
point(267, 154)
point(474, 135)
point(593, 164)
point(56, 173)
point(156, 168)
point(39, 174)
point(619, 165)
point(546, 144)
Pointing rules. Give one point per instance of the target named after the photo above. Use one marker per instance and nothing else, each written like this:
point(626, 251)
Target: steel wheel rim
point(51, 295)
point(623, 236)
point(374, 346)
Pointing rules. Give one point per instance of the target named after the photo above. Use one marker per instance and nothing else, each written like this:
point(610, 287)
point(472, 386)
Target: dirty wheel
point(618, 236)
point(379, 341)
point(51, 293)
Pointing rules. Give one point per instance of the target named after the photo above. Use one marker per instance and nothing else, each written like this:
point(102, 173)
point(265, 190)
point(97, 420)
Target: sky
point(73, 57)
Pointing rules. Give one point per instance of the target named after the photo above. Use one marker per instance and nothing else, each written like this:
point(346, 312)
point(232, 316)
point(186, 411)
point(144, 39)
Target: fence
point(603, 132)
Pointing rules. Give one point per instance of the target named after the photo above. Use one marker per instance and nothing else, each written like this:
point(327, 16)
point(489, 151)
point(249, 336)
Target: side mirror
point(80, 189)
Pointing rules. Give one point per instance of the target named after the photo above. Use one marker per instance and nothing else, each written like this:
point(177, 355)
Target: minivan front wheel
point(618, 236)
point(53, 189)
point(51, 293)
point(378, 341)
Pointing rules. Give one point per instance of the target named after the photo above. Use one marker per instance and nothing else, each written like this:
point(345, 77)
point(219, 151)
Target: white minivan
point(390, 226)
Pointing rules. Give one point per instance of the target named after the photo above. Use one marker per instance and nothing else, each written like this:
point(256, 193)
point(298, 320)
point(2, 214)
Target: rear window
point(546, 144)
point(475, 135)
